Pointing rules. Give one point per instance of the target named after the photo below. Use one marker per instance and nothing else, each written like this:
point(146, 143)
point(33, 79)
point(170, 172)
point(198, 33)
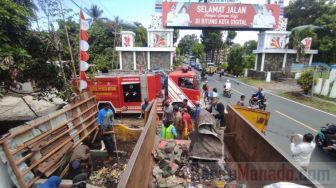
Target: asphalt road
point(287, 117)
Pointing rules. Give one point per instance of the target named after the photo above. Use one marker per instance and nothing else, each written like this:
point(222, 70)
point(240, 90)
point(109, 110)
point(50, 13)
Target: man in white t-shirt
point(228, 85)
point(303, 150)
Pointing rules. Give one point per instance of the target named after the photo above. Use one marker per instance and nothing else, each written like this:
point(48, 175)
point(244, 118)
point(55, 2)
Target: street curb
point(269, 92)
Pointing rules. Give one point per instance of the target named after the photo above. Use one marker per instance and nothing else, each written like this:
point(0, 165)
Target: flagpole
point(79, 50)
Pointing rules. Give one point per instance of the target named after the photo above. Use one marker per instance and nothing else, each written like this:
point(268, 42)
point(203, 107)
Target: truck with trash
point(238, 156)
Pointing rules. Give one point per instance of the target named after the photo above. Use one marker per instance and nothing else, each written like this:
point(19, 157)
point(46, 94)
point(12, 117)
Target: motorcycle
point(256, 103)
point(227, 93)
point(326, 138)
point(203, 76)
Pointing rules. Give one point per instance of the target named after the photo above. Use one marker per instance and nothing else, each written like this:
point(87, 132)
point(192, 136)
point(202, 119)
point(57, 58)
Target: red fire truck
point(126, 91)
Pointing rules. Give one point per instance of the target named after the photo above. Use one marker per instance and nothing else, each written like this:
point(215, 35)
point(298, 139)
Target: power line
point(76, 4)
point(107, 10)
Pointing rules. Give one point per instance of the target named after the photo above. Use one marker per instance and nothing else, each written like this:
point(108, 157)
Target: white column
point(256, 62)
point(171, 60)
point(149, 38)
point(148, 60)
point(120, 61)
point(333, 91)
point(310, 59)
point(284, 61)
point(262, 62)
point(318, 86)
point(325, 88)
point(268, 77)
point(134, 61)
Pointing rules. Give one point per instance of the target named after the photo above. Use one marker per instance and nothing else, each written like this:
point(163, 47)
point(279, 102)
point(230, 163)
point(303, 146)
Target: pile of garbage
point(173, 168)
point(107, 175)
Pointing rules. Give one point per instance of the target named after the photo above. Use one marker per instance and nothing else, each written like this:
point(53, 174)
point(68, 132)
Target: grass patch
point(315, 102)
point(326, 98)
point(252, 82)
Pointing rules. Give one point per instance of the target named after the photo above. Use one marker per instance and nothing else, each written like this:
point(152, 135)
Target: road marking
point(238, 91)
point(288, 99)
point(299, 122)
point(233, 89)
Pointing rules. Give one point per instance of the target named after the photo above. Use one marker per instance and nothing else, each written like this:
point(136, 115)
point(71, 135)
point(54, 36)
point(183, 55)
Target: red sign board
point(198, 15)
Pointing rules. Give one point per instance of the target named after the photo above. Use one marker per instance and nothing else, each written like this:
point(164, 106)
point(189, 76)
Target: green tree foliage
point(178, 51)
point(326, 43)
point(176, 34)
point(197, 50)
point(248, 61)
point(231, 35)
point(94, 12)
point(249, 46)
point(140, 36)
point(14, 21)
point(319, 13)
point(304, 12)
point(186, 43)
point(104, 60)
point(73, 30)
point(306, 81)
point(235, 60)
point(213, 43)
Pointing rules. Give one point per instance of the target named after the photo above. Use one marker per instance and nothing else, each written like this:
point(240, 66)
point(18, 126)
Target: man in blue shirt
point(197, 111)
point(259, 95)
point(105, 123)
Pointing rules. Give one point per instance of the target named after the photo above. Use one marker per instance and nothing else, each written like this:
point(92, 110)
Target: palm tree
point(94, 12)
point(28, 4)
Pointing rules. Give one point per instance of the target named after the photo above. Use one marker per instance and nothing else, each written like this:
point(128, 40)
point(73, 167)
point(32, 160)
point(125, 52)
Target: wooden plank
point(147, 111)
point(31, 183)
point(54, 115)
point(52, 160)
point(62, 134)
point(250, 147)
point(23, 159)
point(138, 170)
point(13, 166)
point(32, 141)
point(57, 148)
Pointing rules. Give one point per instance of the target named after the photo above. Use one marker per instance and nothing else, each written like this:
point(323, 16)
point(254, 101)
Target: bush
point(306, 81)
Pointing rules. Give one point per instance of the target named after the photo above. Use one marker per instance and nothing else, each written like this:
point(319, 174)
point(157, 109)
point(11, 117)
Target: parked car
point(199, 66)
point(192, 63)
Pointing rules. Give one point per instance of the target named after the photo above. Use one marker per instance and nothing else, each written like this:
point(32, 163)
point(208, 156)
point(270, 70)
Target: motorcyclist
point(259, 95)
point(227, 89)
point(227, 85)
point(203, 74)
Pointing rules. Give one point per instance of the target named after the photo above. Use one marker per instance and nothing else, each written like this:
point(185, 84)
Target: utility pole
point(68, 41)
point(312, 89)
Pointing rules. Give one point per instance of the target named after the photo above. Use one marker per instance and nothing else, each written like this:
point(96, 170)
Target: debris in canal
point(173, 168)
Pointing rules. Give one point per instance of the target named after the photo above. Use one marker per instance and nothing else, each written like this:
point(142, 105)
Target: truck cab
point(211, 68)
point(187, 81)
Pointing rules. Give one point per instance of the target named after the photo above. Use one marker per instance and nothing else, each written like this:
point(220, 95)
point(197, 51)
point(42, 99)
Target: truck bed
point(247, 151)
